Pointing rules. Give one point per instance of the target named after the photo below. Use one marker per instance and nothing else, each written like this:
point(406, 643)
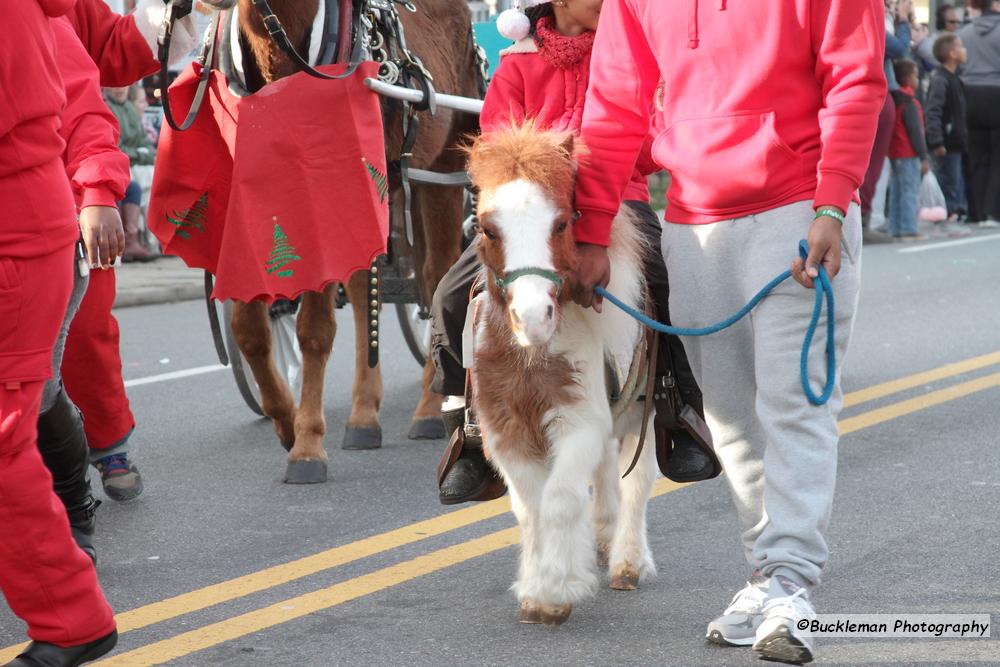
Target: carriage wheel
point(416, 325)
point(284, 349)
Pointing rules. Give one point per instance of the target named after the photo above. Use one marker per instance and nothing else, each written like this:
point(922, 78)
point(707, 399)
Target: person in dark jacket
point(981, 76)
point(947, 132)
point(908, 154)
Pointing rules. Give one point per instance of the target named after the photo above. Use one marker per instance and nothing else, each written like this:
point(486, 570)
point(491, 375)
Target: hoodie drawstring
point(693, 38)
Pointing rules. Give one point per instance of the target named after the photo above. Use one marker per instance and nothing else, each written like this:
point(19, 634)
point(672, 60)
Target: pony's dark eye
point(561, 228)
point(489, 234)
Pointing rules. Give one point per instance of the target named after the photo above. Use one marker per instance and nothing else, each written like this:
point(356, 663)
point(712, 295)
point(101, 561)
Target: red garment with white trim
point(276, 193)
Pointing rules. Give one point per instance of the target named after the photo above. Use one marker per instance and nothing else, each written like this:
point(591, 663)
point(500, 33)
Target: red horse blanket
point(276, 193)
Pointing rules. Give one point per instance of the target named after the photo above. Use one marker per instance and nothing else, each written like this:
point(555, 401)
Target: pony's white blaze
point(524, 215)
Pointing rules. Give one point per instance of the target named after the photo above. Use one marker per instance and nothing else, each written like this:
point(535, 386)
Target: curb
point(148, 296)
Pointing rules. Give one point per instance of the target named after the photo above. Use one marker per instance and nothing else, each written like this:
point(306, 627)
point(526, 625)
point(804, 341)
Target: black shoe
point(468, 479)
point(40, 654)
point(688, 463)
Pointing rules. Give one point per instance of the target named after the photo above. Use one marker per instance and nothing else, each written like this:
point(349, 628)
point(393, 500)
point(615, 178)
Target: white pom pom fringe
point(513, 24)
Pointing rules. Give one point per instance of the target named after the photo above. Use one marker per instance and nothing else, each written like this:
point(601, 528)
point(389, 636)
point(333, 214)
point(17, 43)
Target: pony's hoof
point(625, 578)
point(311, 471)
point(554, 615)
point(429, 428)
point(531, 613)
point(362, 437)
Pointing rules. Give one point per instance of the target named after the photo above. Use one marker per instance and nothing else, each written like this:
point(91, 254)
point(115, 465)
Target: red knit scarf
point(557, 49)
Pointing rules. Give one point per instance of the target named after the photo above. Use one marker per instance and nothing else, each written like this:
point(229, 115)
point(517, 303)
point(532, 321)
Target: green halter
point(552, 276)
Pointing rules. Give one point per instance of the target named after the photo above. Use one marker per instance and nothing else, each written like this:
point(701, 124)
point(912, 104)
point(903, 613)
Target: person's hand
point(592, 268)
point(940, 151)
point(925, 166)
point(904, 9)
point(824, 249)
point(103, 234)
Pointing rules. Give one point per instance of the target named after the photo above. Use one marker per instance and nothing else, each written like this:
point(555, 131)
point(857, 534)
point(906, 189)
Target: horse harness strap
point(647, 405)
point(504, 282)
point(280, 37)
point(163, 40)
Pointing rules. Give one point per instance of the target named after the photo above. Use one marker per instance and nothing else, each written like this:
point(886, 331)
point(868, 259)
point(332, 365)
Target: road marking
point(280, 574)
point(174, 375)
point(216, 633)
point(889, 412)
point(949, 244)
point(911, 381)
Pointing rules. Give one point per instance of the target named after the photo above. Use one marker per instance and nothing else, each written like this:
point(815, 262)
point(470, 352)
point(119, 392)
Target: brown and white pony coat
point(539, 377)
point(438, 32)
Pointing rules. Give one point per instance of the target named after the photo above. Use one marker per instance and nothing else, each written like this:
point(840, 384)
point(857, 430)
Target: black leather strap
point(280, 37)
point(175, 11)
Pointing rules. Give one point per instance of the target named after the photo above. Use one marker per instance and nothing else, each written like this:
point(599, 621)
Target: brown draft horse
point(438, 33)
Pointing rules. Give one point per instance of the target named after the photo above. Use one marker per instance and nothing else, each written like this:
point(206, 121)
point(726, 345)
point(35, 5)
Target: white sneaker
point(989, 223)
point(738, 624)
point(778, 636)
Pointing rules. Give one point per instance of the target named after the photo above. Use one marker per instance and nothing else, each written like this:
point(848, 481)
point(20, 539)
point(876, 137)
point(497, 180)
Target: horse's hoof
point(429, 428)
point(554, 615)
point(362, 437)
point(531, 613)
point(311, 471)
point(625, 578)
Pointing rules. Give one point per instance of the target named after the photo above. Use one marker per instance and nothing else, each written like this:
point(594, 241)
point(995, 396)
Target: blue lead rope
point(823, 288)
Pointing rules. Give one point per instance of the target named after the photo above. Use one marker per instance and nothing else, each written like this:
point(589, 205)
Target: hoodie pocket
point(728, 163)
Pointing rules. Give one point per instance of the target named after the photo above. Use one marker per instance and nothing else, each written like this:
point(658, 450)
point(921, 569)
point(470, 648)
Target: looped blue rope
point(823, 290)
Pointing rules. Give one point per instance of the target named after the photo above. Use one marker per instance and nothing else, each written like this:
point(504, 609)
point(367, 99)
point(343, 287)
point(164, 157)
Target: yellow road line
point(877, 416)
point(214, 634)
point(911, 381)
point(282, 612)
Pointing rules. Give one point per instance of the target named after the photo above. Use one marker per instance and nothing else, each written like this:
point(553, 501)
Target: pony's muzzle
point(532, 310)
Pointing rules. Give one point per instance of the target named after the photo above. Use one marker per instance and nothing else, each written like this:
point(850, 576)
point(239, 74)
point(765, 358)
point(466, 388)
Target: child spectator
point(947, 131)
point(908, 154)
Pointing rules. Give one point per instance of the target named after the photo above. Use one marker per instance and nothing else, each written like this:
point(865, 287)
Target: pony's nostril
point(550, 312)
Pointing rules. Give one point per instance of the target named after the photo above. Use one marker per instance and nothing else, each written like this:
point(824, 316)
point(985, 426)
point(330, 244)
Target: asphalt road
point(390, 577)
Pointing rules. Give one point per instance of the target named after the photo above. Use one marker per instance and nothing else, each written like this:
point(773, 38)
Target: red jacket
point(38, 211)
point(97, 169)
point(764, 104)
point(526, 86)
point(908, 133)
point(114, 43)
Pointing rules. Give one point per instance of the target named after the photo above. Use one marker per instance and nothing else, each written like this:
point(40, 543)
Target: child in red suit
point(908, 155)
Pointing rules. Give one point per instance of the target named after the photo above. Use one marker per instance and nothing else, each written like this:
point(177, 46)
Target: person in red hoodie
point(543, 77)
point(47, 580)
point(767, 140)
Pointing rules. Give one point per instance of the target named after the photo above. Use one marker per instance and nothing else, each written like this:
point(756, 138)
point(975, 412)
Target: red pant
point(92, 366)
point(880, 151)
point(47, 580)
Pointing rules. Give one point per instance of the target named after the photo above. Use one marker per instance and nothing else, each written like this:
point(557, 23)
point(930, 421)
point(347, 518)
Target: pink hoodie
point(765, 103)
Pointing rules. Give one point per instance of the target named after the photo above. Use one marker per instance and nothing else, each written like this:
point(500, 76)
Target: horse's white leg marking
point(604, 505)
point(630, 558)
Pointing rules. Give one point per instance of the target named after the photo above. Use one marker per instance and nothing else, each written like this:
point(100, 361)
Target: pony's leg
point(252, 330)
point(440, 210)
point(605, 501)
point(567, 574)
point(630, 558)
point(525, 480)
point(363, 430)
point(315, 328)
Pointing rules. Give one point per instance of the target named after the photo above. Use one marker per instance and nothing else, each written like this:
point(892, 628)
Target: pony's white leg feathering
point(604, 506)
point(631, 559)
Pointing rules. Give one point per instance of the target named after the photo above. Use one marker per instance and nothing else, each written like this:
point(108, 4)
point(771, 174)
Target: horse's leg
point(315, 328)
point(605, 502)
point(630, 558)
point(252, 330)
point(567, 574)
point(525, 480)
point(363, 430)
point(440, 210)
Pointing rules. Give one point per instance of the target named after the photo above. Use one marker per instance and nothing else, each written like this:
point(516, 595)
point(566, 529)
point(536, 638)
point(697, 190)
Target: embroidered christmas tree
point(190, 218)
point(282, 254)
point(381, 185)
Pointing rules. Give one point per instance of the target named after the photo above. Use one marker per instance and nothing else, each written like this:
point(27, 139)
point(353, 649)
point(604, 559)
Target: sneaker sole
point(124, 495)
point(783, 646)
point(719, 639)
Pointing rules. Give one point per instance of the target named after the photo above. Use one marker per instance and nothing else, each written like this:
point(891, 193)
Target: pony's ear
point(568, 143)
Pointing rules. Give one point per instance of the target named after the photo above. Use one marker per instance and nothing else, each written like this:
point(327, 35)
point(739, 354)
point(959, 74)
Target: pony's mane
point(523, 151)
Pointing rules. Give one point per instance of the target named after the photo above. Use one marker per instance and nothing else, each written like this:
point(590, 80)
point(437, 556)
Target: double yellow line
point(231, 628)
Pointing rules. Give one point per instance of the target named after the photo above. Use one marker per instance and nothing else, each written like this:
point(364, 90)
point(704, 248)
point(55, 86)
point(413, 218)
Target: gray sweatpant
point(779, 451)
